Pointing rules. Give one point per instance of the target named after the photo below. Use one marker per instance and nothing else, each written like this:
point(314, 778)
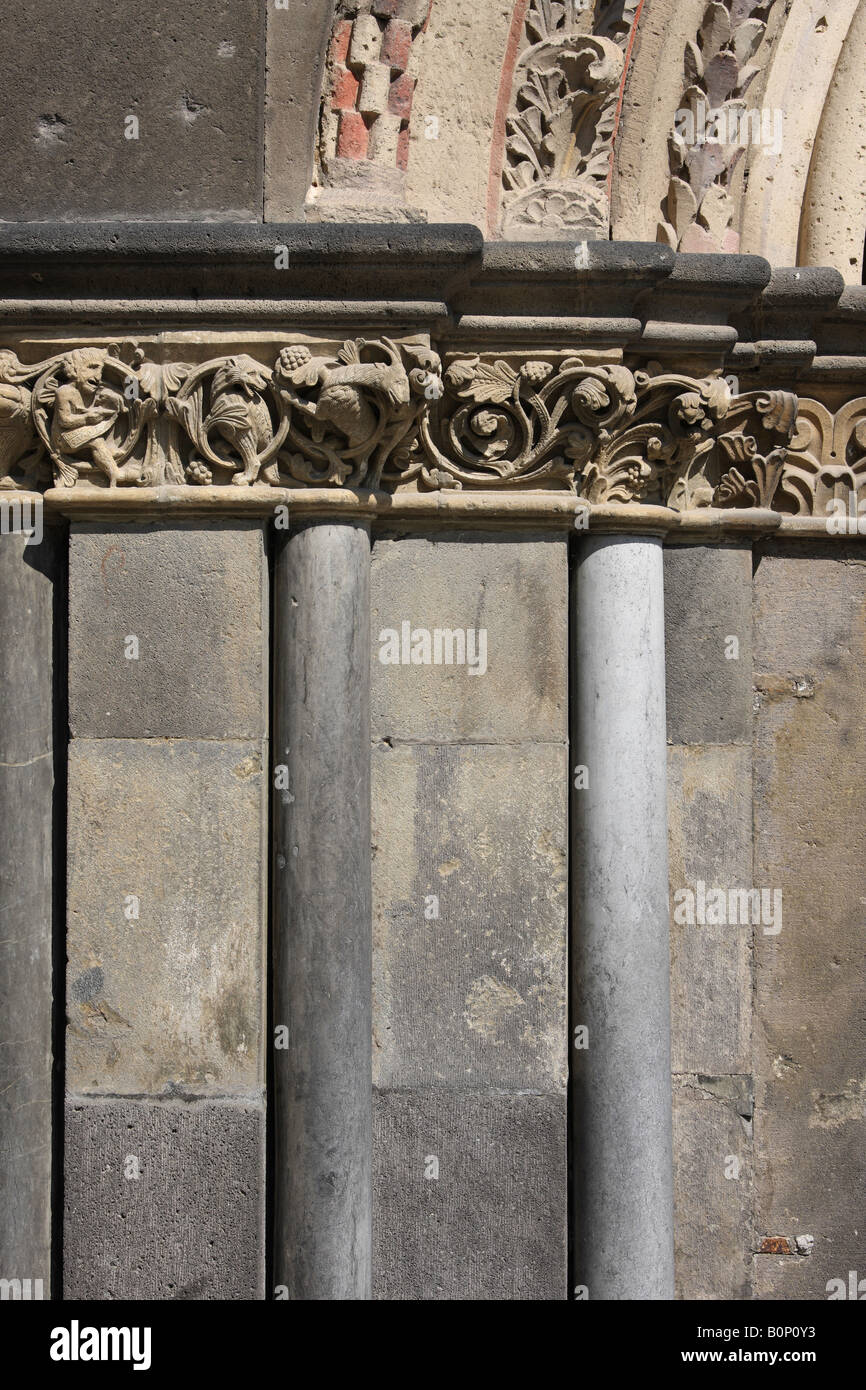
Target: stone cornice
point(597, 376)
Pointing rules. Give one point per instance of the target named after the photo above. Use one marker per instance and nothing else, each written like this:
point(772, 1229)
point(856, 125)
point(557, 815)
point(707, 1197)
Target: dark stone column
point(322, 914)
point(29, 574)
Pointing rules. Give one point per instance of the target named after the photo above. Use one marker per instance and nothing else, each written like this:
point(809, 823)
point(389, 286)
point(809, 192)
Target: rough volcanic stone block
point(191, 75)
point(517, 590)
point(477, 994)
point(195, 599)
point(171, 997)
point(708, 599)
point(810, 809)
point(713, 1186)
point(492, 1225)
point(710, 839)
point(31, 598)
point(297, 43)
point(189, 1226)
point(25, 1018)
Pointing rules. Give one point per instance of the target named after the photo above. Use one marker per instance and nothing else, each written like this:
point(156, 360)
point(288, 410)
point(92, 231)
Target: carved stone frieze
point(391, 415)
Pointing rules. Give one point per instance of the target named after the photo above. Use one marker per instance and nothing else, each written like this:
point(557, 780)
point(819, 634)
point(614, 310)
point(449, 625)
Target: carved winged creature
point(16, 429)
point(355, 407)
point(238, 412)
point(341, 402)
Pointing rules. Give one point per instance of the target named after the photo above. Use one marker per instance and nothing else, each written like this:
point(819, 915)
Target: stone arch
point(833, 222)
point(799, 77)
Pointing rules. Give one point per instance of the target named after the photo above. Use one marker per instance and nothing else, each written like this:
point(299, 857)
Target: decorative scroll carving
point(560, 126)
point(711, 133)
point(607, 433)
point(310, 419)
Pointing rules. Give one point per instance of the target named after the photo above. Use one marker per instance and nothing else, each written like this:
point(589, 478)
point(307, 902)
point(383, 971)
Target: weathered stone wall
point(768, 1033)
point(470, 878)
point(167, 892)
point(810, 810)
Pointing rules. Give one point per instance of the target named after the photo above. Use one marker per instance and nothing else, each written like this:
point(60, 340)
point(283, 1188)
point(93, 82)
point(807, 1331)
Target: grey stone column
point(322, 915)
point(623, 1183)
point(29, 573)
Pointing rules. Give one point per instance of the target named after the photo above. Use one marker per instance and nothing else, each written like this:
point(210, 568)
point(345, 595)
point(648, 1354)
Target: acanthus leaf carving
point(711, 130)
point(560, 125)
point(608, 433)
point(757, 458)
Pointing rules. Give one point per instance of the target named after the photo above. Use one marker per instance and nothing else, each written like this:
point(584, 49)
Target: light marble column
point(623, 1183)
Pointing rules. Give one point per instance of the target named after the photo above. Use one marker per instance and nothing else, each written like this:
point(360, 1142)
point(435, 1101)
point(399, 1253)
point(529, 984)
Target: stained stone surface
point(710, 839)
point(514, 589)
point(810, 807)
point(492, 1225)
point(192, 76)
point(708, 600)
point(189, 1226)
point(195, 599)
point(171, 998)
point(476, 995)
point(713, 1187)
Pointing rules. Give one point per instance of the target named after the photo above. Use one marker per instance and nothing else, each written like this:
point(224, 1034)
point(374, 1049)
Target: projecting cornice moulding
point(601, 384)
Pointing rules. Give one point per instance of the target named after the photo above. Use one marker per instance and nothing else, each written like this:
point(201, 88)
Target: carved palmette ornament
point(826, 463)
point(91, 416)
point(311, 419)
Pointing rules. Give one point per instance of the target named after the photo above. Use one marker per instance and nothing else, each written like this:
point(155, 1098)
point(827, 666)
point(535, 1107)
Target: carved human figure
point(86, 411)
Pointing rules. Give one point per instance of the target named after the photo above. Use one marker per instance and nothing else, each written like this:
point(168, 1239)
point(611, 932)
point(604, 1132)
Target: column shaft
point(322, 914)
point(623, 1185)
point(28, 576)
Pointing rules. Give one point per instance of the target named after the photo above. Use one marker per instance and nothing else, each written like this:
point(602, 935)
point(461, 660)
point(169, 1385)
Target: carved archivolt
point(714, 126)
point(379, 414)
